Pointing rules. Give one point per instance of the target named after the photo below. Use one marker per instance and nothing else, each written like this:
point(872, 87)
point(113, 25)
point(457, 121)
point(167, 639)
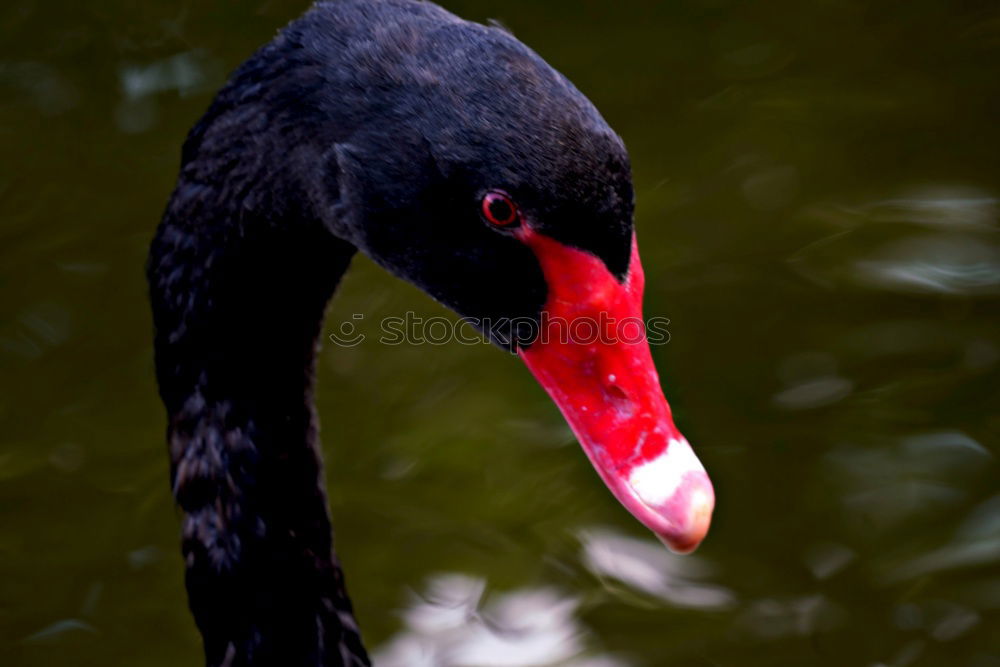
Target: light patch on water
point(772, 618)
point(906, 655)
point(648, 568)
point(944, 207)
point(455, 624)
point(811, 381)
point(827, 559)
point(814, 393)
point(942, 620)
point(953, 621)
point(59, 630)
point(143, 557)
point(914, 474)
point(954, 446)
point(976, 543)
point(983, 521)
point(920, 276)
point(399, 468)
point(898, 501)
point(935, 454)
point(187, 73)
point(941, 263)
point(933, 241)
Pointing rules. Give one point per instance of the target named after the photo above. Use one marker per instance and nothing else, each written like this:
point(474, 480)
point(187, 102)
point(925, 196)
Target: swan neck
point(238, 300)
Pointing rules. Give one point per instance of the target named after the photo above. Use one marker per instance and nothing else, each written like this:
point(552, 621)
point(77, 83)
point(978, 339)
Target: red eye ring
point(499, 209)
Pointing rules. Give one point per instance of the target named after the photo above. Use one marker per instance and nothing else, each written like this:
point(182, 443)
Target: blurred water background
point(817, 205)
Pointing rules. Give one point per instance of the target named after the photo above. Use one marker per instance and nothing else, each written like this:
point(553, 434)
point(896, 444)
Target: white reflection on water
point(937, 207)
point(772, 618)
point(186, 73)
point(948, 620)
point(944, 263)
point(827, 559)
point(58, 630)
point(943, 620)
point(454, 624)
point(183, 72)
point(976, 542)
point(893, 483)
point(811, 381)
point(906, 655)
point(935, 241)
point(648, 567)
point(814, 393)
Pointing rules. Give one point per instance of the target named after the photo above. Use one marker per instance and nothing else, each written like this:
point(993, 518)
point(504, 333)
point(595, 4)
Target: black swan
point(454, 157)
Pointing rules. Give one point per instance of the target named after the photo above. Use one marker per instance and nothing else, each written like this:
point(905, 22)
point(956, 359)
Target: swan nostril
point(614, 390)
point(620, 400)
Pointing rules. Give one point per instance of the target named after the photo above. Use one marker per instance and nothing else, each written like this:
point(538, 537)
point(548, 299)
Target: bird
point(458, 160)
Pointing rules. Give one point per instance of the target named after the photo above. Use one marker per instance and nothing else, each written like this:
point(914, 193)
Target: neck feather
point(238, 298)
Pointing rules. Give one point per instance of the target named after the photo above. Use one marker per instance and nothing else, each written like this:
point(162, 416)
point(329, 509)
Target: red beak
point(592, 357)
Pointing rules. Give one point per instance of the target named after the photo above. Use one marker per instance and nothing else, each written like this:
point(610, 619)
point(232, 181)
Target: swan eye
point(499, 209)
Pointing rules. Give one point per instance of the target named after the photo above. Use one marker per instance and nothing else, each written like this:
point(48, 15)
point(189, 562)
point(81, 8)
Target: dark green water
point(817, 206)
